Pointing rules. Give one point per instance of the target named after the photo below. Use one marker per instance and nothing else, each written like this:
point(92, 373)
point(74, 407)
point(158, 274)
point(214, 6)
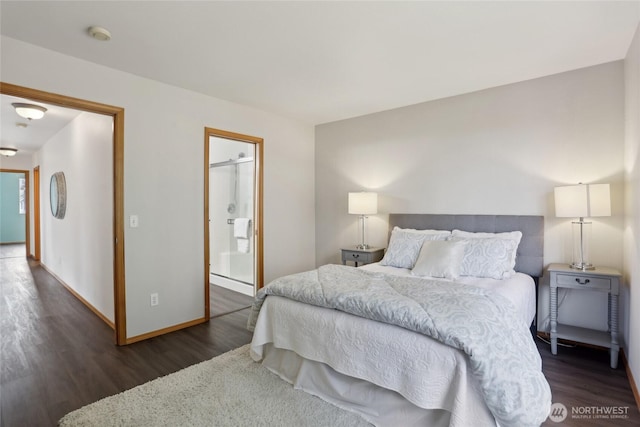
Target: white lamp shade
point(363, 203)
point(582, 200)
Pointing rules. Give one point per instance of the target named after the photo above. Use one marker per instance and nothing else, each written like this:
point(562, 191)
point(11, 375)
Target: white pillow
point(404, 246)
point(511, 235)
point(440, 258)
point(413, 230)
point(515, 236)
point(488, 257)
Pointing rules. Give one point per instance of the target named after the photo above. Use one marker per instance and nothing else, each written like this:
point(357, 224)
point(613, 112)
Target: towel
point(243, 245)
point(241, 228)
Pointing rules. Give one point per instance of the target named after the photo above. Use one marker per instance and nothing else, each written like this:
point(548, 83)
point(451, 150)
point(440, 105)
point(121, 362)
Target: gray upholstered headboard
point(529, 259)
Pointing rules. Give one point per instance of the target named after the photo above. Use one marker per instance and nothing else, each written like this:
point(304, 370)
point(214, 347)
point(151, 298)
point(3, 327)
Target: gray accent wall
point(499, 151)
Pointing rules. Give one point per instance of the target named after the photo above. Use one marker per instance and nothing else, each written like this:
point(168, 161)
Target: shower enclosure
point(231, 211)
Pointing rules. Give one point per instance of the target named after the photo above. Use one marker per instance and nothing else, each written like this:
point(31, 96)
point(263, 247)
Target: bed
point(417, 357)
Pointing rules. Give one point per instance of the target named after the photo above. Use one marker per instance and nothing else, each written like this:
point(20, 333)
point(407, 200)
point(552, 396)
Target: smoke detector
point(99, 33)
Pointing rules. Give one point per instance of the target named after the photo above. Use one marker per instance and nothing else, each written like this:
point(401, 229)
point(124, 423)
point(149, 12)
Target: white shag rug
point(227, 391)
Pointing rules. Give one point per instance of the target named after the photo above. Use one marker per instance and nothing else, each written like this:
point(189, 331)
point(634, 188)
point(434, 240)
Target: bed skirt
point(375, 404)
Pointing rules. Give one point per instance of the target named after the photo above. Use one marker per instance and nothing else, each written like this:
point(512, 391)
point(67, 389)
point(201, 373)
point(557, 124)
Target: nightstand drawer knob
point(355, 255)
point(582, 282)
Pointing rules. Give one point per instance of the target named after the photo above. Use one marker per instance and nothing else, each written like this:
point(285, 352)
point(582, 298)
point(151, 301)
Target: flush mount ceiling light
point(8, 152)
point(99, 33)
point(29, 111)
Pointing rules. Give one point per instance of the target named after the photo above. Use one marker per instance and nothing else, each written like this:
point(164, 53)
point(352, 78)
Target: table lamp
point(582, 201)
point(363, 204)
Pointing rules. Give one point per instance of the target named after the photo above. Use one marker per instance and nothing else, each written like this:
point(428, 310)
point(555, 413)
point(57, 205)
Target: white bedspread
point(520, 289)
point(427, 373)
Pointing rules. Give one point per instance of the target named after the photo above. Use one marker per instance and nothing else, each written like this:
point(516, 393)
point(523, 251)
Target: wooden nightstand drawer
point(362, 256)
point(591, 282)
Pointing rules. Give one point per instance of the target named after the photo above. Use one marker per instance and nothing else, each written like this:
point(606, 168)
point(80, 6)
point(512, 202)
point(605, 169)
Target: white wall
point(164, 178)
point(19, 161)
point(632, 206)
point(497, 151)
point(79, 248)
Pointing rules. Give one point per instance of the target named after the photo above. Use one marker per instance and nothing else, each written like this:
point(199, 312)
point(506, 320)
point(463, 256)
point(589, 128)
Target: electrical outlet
point(154, 300)
point(133, 221)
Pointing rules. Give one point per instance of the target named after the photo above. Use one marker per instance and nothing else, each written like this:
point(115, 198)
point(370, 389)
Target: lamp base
point(582, 266)
point(363, 246)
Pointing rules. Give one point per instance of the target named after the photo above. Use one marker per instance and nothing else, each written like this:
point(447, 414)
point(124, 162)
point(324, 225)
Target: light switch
point(133, 221)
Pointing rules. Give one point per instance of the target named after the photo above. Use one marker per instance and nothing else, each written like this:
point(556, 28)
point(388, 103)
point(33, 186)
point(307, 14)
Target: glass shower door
point(231, 210)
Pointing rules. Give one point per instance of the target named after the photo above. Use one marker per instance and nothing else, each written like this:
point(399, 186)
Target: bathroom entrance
point(234, 229)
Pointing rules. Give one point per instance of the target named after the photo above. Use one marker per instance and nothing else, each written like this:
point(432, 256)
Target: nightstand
point(602, 279)
point(362, 256)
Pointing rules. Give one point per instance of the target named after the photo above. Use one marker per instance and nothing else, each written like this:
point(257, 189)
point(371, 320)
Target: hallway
point(58, 356)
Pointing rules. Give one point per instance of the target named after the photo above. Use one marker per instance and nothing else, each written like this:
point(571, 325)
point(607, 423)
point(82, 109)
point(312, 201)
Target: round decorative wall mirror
point(58, 195)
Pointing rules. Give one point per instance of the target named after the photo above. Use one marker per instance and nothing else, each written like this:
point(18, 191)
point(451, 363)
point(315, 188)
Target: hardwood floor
point(13, 250)
point(224, 301)
point(57, 356)
point(581, 379)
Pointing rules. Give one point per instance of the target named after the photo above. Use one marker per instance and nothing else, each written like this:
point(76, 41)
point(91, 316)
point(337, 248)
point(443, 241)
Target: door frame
point(117, 113)
point(36, 213)
point(257, 208)
point(27, 216)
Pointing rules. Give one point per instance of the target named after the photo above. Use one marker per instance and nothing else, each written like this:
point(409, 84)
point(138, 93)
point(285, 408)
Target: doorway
point(117, 114)
point(14, 213)
point(233, 214)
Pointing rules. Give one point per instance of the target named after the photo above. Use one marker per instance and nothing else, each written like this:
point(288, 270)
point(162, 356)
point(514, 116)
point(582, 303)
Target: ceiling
point(325, 61)
point(29, 135)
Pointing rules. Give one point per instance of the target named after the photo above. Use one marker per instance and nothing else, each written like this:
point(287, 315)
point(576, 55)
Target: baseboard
point(159, 332)
point(632, 381)
point(11, 243)
point(80, 298)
